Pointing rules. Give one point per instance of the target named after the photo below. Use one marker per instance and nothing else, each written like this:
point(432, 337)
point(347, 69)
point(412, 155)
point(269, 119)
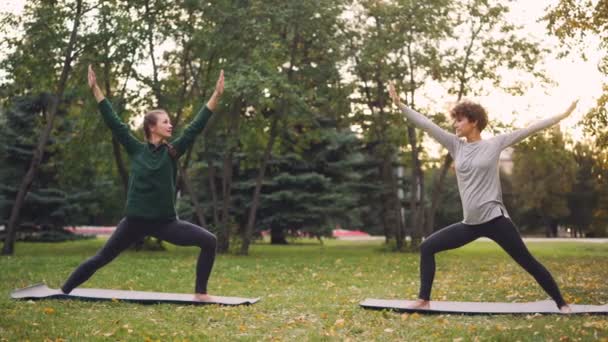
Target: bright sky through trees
point(573, 78)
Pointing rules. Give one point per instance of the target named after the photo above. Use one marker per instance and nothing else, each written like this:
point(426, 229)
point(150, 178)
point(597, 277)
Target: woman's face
point(163, 127)
point(463, 126)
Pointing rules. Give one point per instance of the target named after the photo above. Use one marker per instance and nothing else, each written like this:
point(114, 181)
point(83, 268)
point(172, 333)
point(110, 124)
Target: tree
point(304, 48)
point(46, 205)
point(381, 54)
point(489, 43)
point(573, 22)
point(543, 176)
point(315, 188)
point(582, 201)
point(48, 112)
point(460, 52)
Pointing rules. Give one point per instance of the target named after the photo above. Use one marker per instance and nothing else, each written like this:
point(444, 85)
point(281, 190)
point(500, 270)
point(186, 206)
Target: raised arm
point(514, 137)
point(186, 139)
point(119, 129)
point(448, 140)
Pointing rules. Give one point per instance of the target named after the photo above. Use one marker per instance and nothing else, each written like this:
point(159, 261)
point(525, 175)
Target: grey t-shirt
point(476, 165)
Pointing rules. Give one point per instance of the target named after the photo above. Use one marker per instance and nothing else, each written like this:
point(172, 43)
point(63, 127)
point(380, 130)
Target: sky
point(573, 78)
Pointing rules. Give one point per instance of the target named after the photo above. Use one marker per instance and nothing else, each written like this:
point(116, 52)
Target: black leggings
point(129, 230)
point(503, 232)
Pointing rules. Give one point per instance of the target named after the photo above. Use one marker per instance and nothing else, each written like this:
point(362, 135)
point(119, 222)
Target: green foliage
point(53, 236)
point(46, 205)
point(544, 173)
point(316, 188)
point(317, 68)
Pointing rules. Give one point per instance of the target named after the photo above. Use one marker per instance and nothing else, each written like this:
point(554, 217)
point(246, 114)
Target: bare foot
point(420, 304)
point(565, 309)
point(203, 297)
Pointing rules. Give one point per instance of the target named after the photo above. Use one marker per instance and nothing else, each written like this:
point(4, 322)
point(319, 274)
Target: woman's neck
point(155, 140)
point(473, 137)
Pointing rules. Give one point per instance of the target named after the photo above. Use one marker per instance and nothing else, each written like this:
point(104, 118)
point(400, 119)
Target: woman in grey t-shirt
point(477, 173)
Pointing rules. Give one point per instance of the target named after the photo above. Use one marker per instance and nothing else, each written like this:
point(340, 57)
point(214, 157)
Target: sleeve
point(446, 139)
point(119, 129)
point(514, 137)
point(186, 139)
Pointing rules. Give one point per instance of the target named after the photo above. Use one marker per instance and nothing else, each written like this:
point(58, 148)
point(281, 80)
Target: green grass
point(308, 291)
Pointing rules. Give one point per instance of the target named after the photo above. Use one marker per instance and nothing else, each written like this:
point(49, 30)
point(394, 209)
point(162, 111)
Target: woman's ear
point(476, 123)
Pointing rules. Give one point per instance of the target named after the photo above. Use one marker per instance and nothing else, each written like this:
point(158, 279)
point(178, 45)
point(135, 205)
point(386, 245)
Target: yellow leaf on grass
point(49, 311)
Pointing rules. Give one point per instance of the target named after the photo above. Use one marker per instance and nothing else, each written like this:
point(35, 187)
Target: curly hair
point(474, 112)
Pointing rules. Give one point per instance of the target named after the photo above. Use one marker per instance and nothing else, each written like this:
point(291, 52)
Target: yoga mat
point(481, 308)
point(41, 291)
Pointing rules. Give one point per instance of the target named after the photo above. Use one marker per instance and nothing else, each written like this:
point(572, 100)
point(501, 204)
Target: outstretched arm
point(514, 137)
point(448, 140)
point(183, 142)
point(119, 129)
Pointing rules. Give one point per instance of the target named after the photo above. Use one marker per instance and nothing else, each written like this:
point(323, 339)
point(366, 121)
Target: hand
point(570, 109)
point(393, 93)
point(219, 85)
point(217, 93)
point(92, 77)
point(93, 85)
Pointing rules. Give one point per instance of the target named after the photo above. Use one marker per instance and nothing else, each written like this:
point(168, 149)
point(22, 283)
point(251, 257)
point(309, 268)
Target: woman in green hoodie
point(150, 207)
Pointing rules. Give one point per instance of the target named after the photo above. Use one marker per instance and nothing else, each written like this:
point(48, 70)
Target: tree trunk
point(267, 152)
point(225, 232)
point(417, 191)
point(258, 187)
point(195, 203)
point(120, 164)
point(277, 236)
point(11, 229)
point(447, 160)
point(550, 227)
point(213, 190)
point(417, 176)
point(391, 202)
point(436, 195)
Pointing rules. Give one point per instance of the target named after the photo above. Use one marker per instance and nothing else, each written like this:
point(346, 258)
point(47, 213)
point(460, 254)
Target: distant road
point(104, 231)
point(542, 239)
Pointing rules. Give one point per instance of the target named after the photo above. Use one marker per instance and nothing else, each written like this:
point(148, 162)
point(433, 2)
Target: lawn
point(308, 291)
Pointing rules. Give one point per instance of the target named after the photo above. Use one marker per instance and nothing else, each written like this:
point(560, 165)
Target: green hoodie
point(151, 193)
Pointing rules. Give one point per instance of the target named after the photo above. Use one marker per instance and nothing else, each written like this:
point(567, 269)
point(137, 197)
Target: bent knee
point(426, 247)
point(209, 241)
